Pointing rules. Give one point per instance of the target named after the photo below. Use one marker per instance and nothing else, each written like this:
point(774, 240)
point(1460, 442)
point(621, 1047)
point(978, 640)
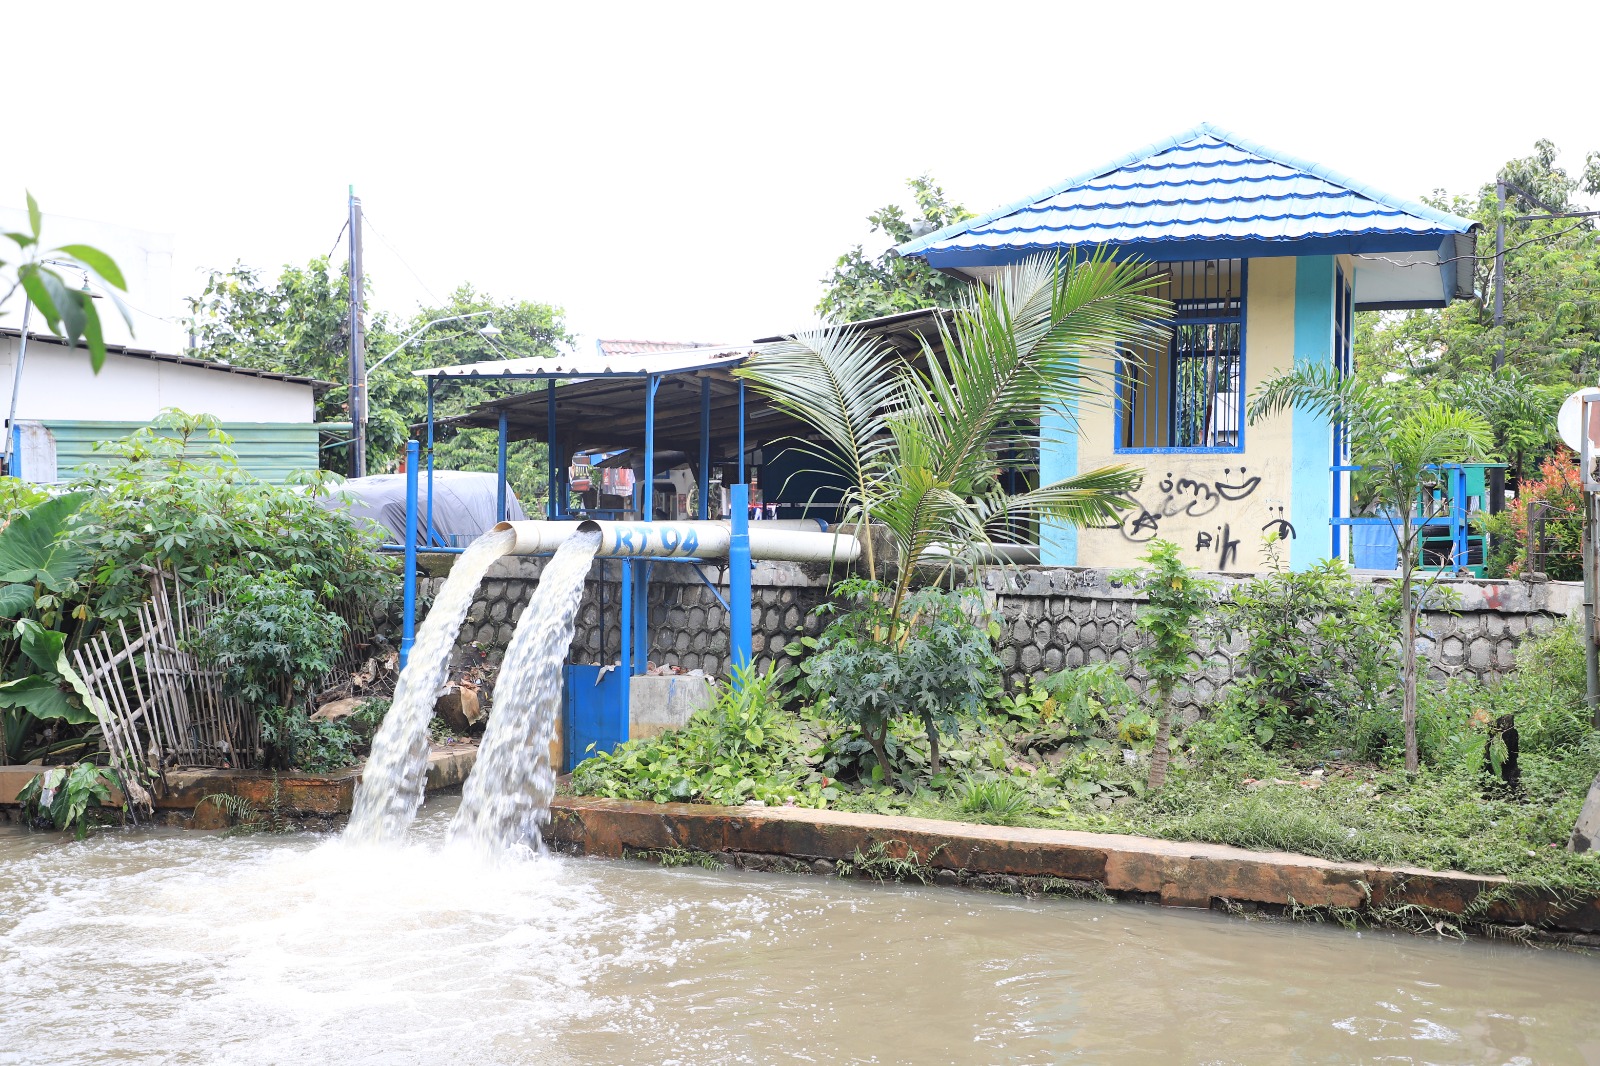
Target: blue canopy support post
point(16, 453)
point(741, 636)
point(408, 623)
point(551, 511)
point(705, 448)
point(500, 473)
point(1459, 527)
point(625, 621)
point(647, 512)
point(429, 538)
point(741, 438)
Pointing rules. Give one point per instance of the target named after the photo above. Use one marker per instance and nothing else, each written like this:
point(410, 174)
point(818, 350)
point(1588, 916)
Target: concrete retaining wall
point(1052, 617)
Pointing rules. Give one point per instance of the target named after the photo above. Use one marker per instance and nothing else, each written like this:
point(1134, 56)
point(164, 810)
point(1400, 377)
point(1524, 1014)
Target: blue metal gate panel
point(595, 709)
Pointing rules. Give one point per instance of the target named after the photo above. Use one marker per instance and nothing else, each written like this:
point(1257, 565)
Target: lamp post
point(13, 447)
point(360, 402)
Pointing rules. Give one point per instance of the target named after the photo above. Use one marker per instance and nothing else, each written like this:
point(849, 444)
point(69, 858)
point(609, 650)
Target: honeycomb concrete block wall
point(1051, 618)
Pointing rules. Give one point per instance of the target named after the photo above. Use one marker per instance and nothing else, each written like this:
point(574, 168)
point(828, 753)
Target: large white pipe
point(687, 540)
point(795, 546)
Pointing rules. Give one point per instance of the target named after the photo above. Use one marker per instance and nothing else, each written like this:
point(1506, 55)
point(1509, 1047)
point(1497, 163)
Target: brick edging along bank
point(1174, 872)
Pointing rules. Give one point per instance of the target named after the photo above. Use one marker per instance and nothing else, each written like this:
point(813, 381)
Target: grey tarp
point(463, 505)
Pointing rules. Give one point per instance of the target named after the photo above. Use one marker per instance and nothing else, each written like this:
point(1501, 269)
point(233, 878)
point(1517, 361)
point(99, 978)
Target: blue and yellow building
point(1265, 257)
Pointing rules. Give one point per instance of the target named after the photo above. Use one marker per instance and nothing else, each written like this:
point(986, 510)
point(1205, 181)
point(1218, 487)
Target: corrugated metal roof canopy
point(1206, 194)
point(606, 412)
point(596, 364)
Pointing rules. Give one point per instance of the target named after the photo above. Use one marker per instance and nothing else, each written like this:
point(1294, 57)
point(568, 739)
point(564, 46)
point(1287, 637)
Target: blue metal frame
point(1457, 520)
point(1171, 413)
point(610, 691)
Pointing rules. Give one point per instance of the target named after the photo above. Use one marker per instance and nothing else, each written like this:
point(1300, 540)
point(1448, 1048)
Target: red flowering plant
point(1555, 499)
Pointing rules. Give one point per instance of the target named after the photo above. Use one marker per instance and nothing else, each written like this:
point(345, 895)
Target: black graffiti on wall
point(1189, 498)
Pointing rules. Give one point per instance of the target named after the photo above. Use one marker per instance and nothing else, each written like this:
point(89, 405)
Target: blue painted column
point(408, 585)
point(429, 540)
point(705, 448)
point(741, 634)
point(1058, 460)
point(647, 511)
point(551, 510)
point(500, 474)
point(1311, 480)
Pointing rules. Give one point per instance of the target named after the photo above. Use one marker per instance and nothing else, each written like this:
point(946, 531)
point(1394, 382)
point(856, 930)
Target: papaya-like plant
point(1178, 599)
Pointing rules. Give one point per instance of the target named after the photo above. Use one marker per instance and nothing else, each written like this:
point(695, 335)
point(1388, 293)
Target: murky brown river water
point(191, 948)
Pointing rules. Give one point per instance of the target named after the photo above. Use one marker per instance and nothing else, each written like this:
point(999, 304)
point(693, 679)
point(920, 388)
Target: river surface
point(172, 947)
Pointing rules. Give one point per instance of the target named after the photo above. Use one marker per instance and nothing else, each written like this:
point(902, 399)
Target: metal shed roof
point(35, 337)
point(1207, 193)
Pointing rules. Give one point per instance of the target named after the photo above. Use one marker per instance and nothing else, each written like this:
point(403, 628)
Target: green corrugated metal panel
point(269, 450)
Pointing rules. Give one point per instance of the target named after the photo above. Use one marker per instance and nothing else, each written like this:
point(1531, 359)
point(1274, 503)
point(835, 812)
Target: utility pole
point(358, 340)
point(1497, 474)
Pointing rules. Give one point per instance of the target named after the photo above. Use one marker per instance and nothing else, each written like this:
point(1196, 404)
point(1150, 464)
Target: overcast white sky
point(690, 171)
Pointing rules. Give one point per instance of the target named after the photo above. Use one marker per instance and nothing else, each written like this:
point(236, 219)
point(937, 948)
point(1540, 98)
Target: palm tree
point(1399, 443)
point(924, 446)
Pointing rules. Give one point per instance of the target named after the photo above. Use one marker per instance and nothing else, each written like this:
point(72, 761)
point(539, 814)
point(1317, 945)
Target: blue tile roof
point(1204, 190)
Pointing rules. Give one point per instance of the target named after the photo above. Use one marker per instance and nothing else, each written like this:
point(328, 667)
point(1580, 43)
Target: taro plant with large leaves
point(40, 570)
point(1399, 443)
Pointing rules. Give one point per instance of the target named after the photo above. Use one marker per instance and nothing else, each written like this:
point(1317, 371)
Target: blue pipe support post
point(430, 461)
point(741, 637)
point(500, 474)
point(15, 469)
point(640, 604)
point(705, 448)
point(1458, 516)
point(408, 624)
point(551, 510)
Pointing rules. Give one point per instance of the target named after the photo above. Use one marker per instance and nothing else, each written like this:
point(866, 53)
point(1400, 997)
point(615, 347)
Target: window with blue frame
point(1189, 395)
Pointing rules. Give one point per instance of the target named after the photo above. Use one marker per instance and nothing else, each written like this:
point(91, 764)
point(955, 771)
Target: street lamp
point(359, 408)
point(13, 445)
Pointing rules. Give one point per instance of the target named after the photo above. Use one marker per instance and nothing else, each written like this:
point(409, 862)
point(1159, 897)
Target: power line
point(335, 246)
point(431, 294)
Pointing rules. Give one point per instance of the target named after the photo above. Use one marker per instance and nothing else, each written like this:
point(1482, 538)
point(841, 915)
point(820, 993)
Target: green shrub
point(993, 800)
point(935, 666)
point(1320, 653)
point(274, 643)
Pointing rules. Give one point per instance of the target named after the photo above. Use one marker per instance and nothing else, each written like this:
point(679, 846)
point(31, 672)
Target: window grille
point(1190, 395)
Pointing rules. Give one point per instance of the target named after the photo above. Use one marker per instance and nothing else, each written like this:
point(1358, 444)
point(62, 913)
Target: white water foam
point(396, 774)
point(506, 799)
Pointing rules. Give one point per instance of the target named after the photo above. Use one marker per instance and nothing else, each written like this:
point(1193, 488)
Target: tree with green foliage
point(860, 287)
point(1551, 335)
point(1177, 601)
point(1399, 442)
point(300, 325)
point(926, 448)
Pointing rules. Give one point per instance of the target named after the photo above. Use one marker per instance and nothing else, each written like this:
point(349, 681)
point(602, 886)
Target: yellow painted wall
point(1210, 504)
